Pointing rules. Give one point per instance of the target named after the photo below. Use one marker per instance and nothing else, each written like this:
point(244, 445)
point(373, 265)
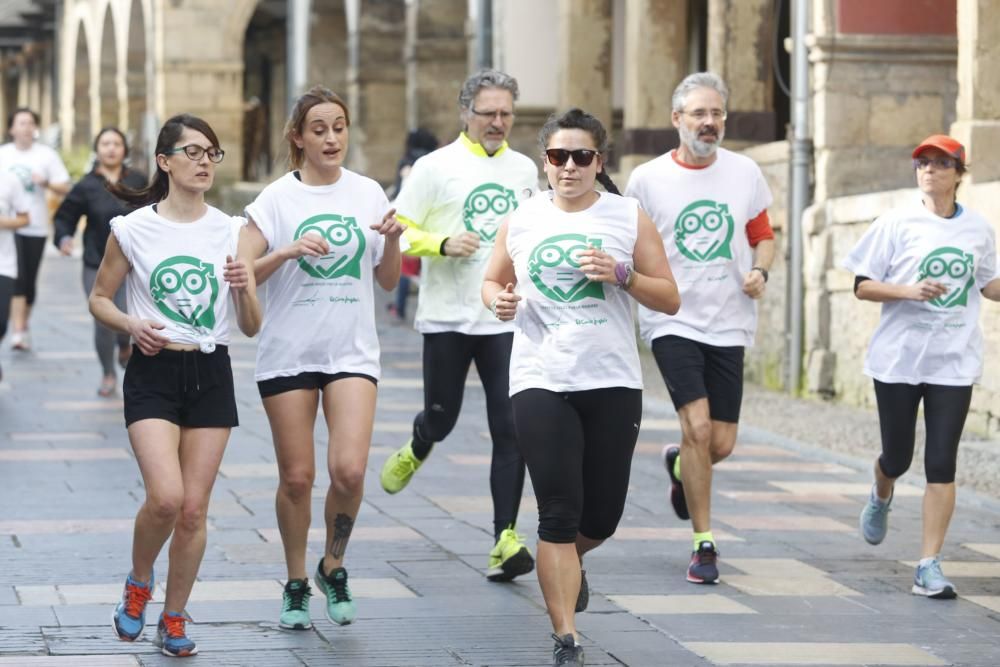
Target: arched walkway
point(81, 89)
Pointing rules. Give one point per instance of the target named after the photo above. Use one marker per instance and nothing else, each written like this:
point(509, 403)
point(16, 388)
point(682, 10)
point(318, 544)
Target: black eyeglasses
point(195, 152)
point(939, 162)
point(503, 114)
point(582, 157)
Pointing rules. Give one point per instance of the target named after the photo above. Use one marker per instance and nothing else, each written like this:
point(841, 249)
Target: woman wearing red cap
point(929, 264)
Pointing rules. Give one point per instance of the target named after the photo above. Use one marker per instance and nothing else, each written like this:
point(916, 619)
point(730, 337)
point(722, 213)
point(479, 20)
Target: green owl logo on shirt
point(184, 289)
point(23, 175)
point(486, 207)
point(347, 246)
point(953, 268)
point(554, 268)
point(704, 231)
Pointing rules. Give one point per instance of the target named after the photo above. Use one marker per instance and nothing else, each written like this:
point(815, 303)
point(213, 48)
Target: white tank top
point(176, 277)
point(571, 334)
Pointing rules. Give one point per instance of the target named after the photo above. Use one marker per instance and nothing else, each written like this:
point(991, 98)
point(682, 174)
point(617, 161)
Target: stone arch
point(108, 71)
point(136, 85)
point(264, 76)
point(81, 89)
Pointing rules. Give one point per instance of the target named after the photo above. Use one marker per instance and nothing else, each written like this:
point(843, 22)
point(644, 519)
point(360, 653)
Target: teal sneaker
point(340, 607)
point(295, 605)
point(509, 558)
point(129, 617)
point(930, 581)
point(399, 468)
point(171, 638)
point(874, 519)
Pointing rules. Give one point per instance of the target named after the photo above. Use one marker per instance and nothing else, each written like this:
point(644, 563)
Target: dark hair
point(419, 142)
point(313, 97)
point(159, 183)
point(111, 128)
point(578, 119)
point(13, 114)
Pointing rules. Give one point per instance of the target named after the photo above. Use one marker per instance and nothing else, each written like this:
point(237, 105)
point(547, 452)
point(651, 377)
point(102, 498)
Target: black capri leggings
point(578, 447)
point(945, 409)
point(29, 259)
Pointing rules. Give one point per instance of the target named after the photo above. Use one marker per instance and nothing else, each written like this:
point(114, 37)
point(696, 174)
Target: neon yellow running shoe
point(399, 468)
point(509, 558)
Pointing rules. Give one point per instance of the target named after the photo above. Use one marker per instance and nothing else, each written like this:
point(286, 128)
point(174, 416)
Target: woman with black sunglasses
point(930, 264)
point(90, 198)
point(176, 254)
point(576, 255)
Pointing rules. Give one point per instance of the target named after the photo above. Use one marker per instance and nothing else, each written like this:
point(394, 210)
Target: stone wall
point(839, 326)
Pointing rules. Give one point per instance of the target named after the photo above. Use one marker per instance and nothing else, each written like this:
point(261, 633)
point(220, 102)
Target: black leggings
point(945, 409)
point(6, 292)
point(29, 259)
point(578, 447)
point(447, 357)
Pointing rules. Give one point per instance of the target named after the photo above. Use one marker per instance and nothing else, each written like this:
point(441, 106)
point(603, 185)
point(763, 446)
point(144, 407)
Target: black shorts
point(694, 370)
point(306, 380)
point(190, 389)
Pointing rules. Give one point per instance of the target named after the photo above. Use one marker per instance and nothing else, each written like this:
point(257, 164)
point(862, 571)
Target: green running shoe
point(399, 468)
point(295, 605)
point(340, 607)
point(509, 558)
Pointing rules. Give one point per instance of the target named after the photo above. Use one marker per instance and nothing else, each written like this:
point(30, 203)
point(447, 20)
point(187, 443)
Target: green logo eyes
point(954, 268)
point(554, 268)
point(704, 230)
point(347, 246)
point(485, 208)
point(185, 289)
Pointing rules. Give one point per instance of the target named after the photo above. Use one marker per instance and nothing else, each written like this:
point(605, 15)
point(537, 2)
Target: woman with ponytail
point(576, 255)
point(176, 255)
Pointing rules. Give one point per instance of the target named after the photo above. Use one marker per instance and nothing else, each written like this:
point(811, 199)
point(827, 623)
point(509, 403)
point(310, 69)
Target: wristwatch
point(762, 270)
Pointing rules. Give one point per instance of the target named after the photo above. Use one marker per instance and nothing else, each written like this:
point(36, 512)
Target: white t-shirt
point(702, 216)
point(571, 334)
point(13, 200)
point(176, 277)
point(938, 341)
point(38, 159)
point(319, 313)
point(454, 189)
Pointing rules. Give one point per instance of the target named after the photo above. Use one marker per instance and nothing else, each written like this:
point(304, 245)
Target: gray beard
point(696, 145)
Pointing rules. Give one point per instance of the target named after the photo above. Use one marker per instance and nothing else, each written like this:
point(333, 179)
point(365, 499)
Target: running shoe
point(874, 519)
point(509, 558)
point(295, 605)
point(20, 340)
point(929, 580)
point(399, 468)
point(583, 597)
point(129, 617)
point(567, 653)
point(340, 607)
point(171, 637)
point(677, 499)
point(704, 567)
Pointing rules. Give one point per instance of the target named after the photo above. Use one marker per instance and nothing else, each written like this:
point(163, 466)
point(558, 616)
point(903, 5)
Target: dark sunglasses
point(582, 157)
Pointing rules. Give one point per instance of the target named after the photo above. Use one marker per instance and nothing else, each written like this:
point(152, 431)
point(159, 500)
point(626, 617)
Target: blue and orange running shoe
point(129, 617)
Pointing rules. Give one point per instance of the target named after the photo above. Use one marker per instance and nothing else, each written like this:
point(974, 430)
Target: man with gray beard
point(710, 206)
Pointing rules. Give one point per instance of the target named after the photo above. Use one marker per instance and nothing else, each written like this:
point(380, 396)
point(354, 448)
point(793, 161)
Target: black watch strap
point(441, 249)
point(762, 270)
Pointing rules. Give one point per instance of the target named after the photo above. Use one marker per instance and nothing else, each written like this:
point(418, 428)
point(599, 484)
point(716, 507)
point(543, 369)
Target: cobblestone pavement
point(798, 587)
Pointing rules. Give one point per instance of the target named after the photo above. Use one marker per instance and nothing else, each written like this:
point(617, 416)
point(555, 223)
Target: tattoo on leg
point(342, 526)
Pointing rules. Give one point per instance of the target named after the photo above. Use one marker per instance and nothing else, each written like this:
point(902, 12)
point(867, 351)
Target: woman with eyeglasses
point(576, 256)
point(323, 236)
point(41, 171)
point(90, 198)
point(176, 254)
point(930, 264)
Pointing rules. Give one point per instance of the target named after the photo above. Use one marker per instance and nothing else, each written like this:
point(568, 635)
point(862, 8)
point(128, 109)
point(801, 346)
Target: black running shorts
point(694, 370)
point(307, 380)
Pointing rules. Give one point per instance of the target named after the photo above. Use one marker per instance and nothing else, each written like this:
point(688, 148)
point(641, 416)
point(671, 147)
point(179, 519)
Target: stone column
point(585, 32)
point(741, 51)
point(656, 59)
point(977, 123)
point(436, 65)
point(376, 85)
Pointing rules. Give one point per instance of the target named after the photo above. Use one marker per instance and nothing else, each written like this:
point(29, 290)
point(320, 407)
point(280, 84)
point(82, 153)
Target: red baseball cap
point(945, 143)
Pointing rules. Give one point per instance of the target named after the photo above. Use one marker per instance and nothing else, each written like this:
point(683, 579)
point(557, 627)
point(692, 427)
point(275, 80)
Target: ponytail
point(605, 180)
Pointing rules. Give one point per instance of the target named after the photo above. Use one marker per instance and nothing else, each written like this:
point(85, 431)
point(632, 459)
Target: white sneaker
point(20, 340)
